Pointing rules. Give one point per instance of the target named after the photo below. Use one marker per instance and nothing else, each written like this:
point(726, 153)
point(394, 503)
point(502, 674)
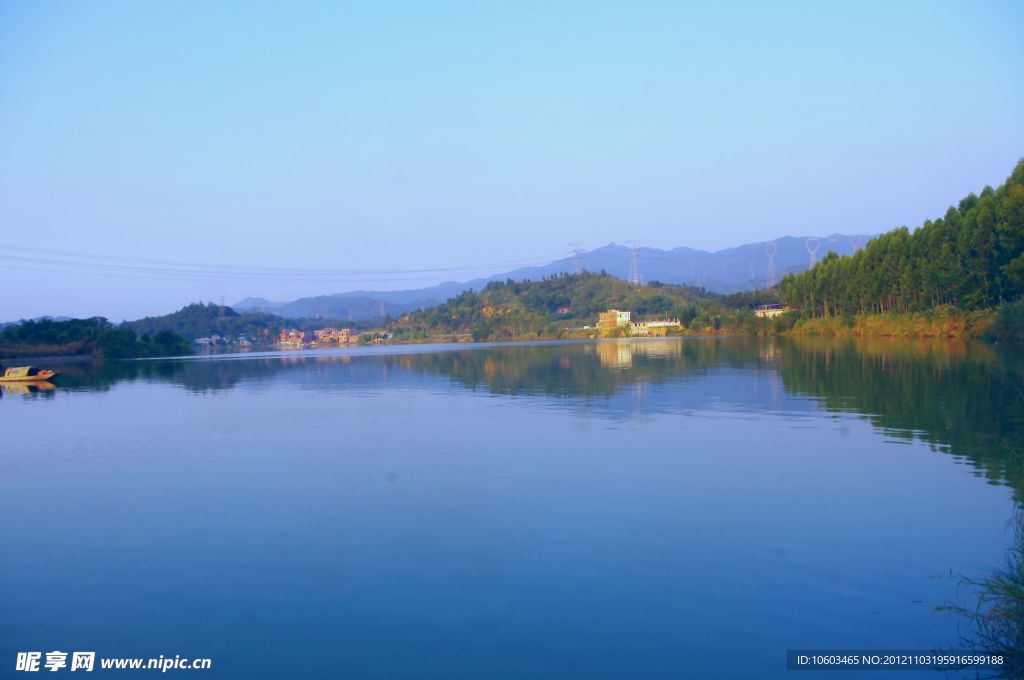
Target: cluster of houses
point(241, 341)
point(293, 338)
point(322, 337)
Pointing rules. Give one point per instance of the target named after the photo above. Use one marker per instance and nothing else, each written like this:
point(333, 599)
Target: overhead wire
point(79, 262)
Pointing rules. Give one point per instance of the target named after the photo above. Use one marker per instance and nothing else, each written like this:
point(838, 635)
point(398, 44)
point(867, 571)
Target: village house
point(331, 336)
point(654, 328)
point(292, 337)
point(612, 320)
point(770, 311)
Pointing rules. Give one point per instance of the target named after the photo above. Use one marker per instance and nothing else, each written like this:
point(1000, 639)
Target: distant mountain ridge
point(731, 270)
point(356, 306)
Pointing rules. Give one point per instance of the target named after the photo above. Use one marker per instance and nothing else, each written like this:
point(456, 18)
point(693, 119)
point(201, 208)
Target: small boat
point(26, 374)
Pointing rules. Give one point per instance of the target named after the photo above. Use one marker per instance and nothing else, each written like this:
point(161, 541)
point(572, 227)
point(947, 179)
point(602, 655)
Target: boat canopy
point(20, 372)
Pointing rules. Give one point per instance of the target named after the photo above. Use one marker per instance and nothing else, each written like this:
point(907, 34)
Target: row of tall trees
point(972, 258)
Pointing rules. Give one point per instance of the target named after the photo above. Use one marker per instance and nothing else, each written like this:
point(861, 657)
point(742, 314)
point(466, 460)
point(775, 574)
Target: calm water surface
point(654, 508)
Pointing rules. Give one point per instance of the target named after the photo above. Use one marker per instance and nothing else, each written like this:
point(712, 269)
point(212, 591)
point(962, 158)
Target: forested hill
point(972, 258)
point(508, 309)
point(97, 336)
point(199, 320)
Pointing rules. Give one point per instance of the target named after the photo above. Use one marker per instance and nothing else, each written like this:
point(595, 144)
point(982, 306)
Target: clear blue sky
point(410, 135)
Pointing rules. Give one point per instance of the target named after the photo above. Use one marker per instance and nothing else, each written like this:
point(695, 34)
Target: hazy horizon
point(411, 144)
point(390, 285)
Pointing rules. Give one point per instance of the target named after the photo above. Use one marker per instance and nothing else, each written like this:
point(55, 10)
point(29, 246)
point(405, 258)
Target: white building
point(769, 311)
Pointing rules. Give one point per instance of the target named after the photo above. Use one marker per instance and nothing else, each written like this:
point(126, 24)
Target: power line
point(242, 268)
point(202, 278)
point(78, 263)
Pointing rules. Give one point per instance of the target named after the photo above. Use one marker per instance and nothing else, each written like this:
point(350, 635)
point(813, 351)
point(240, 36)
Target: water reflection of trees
point(966, 399)
point(565, 369)
point(588, 369)
point(193, 375)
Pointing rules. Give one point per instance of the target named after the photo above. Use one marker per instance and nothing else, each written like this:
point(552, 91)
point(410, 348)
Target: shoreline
point(52, 358)
point(935, 324)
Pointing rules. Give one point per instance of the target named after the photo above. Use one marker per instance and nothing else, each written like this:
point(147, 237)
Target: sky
point(190, 151)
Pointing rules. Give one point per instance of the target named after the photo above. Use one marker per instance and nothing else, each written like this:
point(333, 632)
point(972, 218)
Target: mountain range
point(744, 267)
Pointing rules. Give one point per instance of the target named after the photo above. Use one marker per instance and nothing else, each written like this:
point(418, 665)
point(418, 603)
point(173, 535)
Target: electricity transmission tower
point(634, 264)
point(812, 245)
point(577, 253)
point(770, 248)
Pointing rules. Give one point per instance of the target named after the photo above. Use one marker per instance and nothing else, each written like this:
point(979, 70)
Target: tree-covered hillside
point(87, 336)
point(973, 258)
point(201, 320)
point(547, 307)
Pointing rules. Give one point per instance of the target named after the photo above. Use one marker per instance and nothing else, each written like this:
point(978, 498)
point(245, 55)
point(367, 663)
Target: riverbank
point(21, 359)
point(935, 324)
point(1003, 323)
point(64, 352)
